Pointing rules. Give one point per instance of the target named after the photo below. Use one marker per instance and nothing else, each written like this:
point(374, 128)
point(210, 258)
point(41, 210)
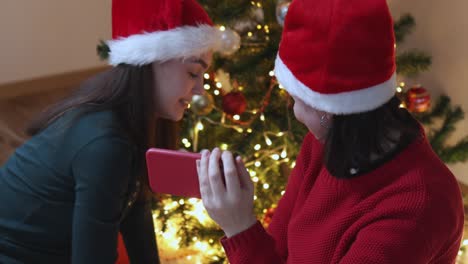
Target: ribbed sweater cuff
point(245, 239)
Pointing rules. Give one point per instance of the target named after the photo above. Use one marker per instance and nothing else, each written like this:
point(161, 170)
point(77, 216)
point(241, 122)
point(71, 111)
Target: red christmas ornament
point(418, 99)
point(268, 216)
point(234, 103)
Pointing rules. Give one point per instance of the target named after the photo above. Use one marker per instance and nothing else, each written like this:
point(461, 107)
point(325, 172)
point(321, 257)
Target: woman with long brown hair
point(81, 178)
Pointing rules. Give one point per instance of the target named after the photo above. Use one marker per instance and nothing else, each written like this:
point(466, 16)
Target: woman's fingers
point(230, 173)
point(203, 179)
point(244, 176)
point(214, 173)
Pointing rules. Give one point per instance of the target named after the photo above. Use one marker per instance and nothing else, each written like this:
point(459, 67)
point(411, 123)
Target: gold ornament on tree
point(202, 104)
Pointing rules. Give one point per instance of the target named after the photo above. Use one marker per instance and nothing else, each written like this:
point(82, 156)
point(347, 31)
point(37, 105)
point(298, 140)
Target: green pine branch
point(410, 63)
point(457, 153)
point(403, 27)
point(439, 109)
point(438, 136)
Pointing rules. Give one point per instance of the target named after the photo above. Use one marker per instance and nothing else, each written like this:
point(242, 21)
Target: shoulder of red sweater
point(422, 162)
point(421, 176)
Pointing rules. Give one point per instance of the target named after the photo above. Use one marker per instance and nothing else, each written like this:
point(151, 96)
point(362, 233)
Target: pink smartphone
point(173, 172)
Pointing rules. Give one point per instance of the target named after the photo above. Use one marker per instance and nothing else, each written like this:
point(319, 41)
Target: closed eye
point(193, 75)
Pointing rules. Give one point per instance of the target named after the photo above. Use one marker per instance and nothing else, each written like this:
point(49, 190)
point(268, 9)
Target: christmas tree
point(246, 111)
point(417, 100)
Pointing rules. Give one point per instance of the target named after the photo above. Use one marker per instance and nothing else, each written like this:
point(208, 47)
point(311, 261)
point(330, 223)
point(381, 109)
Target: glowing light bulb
point(200, 126)
point(284, 154)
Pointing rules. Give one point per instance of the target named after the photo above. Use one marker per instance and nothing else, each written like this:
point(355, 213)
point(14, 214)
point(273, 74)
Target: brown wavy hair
point(127, 91)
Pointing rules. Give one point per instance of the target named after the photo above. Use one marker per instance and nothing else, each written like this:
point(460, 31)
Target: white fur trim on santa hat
point(353, 102)
point(180, 42)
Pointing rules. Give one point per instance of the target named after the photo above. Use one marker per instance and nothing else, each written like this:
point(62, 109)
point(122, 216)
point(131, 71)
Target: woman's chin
point(177, 117)
point(172, 116)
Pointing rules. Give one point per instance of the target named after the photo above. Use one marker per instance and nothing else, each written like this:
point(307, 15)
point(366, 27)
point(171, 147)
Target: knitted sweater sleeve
point(256, 245)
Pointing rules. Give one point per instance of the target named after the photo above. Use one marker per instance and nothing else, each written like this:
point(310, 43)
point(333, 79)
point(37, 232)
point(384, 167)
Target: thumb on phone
point(198, 166)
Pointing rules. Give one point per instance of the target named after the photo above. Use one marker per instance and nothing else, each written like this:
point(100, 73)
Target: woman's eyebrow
point(201, 62)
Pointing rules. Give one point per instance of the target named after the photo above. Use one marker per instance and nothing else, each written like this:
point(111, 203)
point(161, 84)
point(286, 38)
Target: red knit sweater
point(408, 210)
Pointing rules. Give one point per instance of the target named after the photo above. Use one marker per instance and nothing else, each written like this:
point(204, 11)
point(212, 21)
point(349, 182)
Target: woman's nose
point(198, 89)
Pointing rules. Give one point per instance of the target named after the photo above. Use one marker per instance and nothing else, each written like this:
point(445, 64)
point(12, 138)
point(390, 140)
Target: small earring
point(324, 121)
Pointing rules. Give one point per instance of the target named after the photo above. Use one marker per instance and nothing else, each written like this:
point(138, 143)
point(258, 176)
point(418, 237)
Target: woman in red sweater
point(367, 187)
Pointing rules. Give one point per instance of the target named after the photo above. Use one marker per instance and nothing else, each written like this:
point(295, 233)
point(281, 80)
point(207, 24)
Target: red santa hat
point(144, 31)
point(338, 56)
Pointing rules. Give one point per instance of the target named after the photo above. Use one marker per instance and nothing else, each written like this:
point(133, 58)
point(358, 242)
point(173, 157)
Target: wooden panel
point(47, 83)
point(21, 101)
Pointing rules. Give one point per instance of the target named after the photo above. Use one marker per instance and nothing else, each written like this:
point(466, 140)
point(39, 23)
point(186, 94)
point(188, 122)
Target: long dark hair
point(353, 138)
point(127, 91)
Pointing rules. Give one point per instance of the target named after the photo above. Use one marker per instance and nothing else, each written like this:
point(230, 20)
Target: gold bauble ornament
point(202, 104)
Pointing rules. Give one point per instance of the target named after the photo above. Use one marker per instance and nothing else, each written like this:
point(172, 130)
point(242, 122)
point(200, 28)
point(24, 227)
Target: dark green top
point(63, 193)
